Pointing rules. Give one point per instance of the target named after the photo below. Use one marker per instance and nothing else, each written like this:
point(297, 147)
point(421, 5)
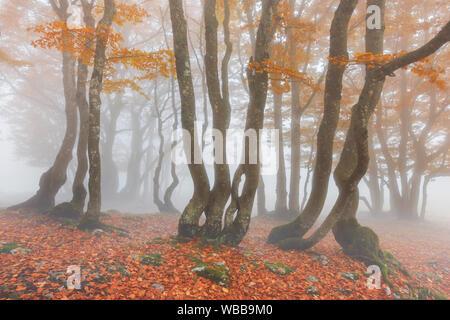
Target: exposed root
point(362, 243)
point(283, 232)
point(66, 210)
point(87, 224)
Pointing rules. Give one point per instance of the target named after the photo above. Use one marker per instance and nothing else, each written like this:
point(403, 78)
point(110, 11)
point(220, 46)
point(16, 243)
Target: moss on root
point(362, 243)
point(87, 224)
point(283, 232)
point(187, 232)
point(66, 210)
point(293, 244)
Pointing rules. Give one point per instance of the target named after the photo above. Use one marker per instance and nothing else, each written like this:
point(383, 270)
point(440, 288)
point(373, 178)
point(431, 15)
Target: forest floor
point(147, 263)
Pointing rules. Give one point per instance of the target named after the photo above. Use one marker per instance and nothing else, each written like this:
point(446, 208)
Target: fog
point(19, 181)
point(344, 111)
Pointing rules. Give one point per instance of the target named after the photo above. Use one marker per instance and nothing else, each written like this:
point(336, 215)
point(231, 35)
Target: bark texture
point(91, 217)
point(55, 177)
point(327, 130)
point(221, 110)
point(188, 225)
point(241, 205)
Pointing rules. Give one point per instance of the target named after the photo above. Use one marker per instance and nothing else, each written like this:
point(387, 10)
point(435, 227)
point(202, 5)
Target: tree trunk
point(392, 183)
point(173, 172)
point(281, 193)
point(352, 166)
point(296, 114)
point(188, 224)
point(130, 191)
point(261, 198)
point(242, 205)
point(423, 209)
point(78, 189)
point(110, 176)
point(221, 111)
point(373, 182)
point(156, 185)
point(325, 137)
point(294, 183)
point(55, 177)
point(91, 217)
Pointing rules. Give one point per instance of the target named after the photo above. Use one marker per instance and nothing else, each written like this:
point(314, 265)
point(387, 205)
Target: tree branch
point(428, 49)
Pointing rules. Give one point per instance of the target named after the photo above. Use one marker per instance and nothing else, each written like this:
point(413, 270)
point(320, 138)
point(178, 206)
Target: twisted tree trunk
point(78, 190)
point(188, 225)
point(241, 206)
point(358, 241)
point(91, 217)
point(55, 177)
point(324, 156)
point(281, 207)
point(352, 166)
point(221, 111)
point(173, 170)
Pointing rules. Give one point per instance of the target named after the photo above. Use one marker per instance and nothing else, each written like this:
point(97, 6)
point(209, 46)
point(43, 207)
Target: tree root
point(66, 210)
point(362, 243)
point(89, 225)
point(283, 232)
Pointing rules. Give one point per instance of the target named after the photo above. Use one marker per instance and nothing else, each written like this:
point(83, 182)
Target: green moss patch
point(154, 259)
point(66, 210)
point(120, 269)
point(7, 247)
point(216, 272)
point(279, 268)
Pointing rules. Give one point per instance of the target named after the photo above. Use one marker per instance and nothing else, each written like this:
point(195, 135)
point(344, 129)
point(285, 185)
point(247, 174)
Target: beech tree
point(357, 241)
point(54, 178)
point(238, 213)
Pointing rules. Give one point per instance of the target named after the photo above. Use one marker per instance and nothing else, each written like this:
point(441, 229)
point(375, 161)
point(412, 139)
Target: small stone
point(57, 276)
point(388, 291)
point(312, 290)
point(251, 284)
point(158, 286)
point(154, 259)
point(214, 272)
point(134, 256)
point(404, 290)
point(21, 250)
point(350, 276)
point(321, 258)
point(312, 279)
point(347, 292)
point(279, 268)
point(97, 232)
point(198, 269)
